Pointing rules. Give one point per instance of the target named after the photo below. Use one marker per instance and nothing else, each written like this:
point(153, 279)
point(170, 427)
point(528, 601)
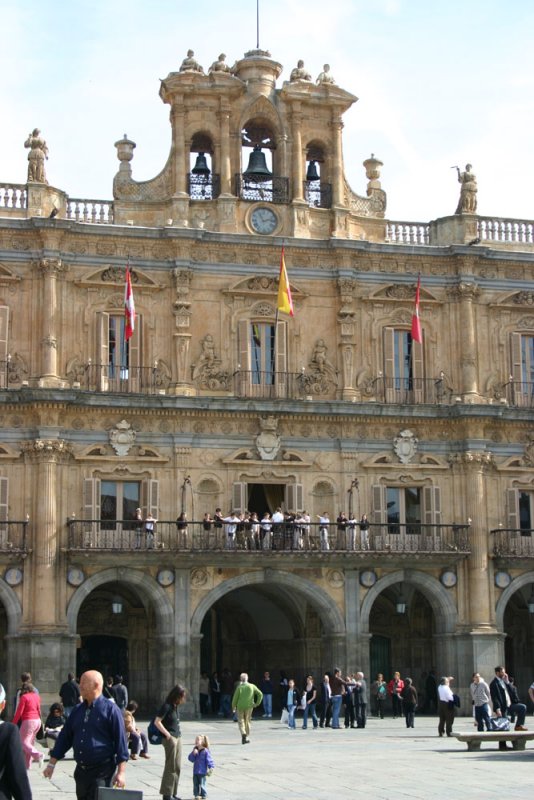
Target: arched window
point(204, 184)
point(317, 188)
point(260, 178)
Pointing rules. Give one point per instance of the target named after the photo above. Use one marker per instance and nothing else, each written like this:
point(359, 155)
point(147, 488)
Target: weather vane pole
point(257, 24)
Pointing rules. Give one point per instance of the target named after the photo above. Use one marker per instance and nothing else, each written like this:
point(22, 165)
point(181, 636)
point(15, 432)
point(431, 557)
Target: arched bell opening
point(317, 186)
point(204, 183)
point(260, 178)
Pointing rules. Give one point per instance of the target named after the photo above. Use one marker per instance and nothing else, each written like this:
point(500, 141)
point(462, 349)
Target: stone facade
point(216, 401)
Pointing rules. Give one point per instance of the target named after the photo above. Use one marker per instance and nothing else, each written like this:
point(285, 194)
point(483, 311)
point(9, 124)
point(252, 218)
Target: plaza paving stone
point(385, 761)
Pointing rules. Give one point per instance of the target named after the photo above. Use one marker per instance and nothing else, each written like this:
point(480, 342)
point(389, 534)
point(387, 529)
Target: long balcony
point(410, 391)
point(123, 535)
point(117, 379)
point(13, 536)
point(513, 542)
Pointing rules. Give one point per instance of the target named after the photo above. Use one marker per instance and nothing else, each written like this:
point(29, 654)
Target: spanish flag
point(285, 303)
point(129, 306)
point(417, 333)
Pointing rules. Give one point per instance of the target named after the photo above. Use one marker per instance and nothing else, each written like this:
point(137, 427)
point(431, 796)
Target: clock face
point(449, 579)
point(502, 580)
point(75, 576)
point(13, 576)
point(263, 220)
point(368, 578)
point(165, 577)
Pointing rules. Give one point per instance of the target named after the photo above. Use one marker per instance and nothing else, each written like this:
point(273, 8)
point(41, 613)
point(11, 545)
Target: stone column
point(225, 166)
point(49, 268)
point(180, 200)
point(182, 379)
point(337, 159)
point(296, 166)
point(466, 291)
point(43, 643)
point(186, 649)
point(346, 320)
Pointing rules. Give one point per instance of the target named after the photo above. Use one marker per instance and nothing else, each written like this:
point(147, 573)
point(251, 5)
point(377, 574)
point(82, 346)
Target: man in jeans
point(337, 686)
point(505, 700)
point(267, 688)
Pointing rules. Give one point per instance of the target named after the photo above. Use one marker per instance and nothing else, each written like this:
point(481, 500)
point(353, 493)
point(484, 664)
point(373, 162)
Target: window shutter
point(418, 372)
point(512, 509)
point(4, 328)
point(379, 504)
point(294, 497)
point(517, 367)
point(102, 351)
point(389, 364)
point(153, 496)
point(239, 496)
point(91, 503)
point(243, 343)
point(3, 509)
point(281, 358)
point(134, 357)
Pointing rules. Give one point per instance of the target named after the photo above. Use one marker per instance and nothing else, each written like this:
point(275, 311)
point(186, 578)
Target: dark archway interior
point(262, 628)
point(404, 642)
point(118, 643)
point(519, 642)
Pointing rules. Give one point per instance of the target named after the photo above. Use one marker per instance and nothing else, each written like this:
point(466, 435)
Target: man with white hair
point(95, 730)
point(246, 698)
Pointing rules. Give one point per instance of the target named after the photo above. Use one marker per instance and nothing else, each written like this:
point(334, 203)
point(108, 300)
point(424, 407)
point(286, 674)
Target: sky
point(439, 84)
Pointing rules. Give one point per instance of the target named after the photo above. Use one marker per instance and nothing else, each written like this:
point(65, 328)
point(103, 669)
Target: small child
point(203, 764)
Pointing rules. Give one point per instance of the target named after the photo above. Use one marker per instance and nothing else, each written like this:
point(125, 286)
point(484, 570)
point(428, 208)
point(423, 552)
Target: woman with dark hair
point(14, 783)
point(28, 711)
point(167, 721)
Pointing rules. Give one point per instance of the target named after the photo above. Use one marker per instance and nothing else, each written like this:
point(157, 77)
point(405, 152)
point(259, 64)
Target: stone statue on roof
point(36, 157)
point(299, 73)
point(190, 64)
point(325, 76)
point(467, 204)
point(220, 65)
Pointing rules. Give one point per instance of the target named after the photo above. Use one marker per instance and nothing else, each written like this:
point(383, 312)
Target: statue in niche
point(321, 376)
point(190, 64)
point(467, 203)
point(299, 73)
point(325, 76)
point(220, 65)
point(36, 157)
point(207, 371)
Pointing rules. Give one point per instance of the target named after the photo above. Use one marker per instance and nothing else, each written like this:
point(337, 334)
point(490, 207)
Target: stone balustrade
point(95, 211)
point(511, 231)
point(13, 196)
point(407, 232)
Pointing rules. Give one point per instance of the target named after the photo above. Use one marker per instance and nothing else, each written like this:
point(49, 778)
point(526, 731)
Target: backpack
point(155, 736)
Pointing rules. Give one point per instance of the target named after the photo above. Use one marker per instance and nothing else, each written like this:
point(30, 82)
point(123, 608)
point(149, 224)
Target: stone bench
point(475, 738)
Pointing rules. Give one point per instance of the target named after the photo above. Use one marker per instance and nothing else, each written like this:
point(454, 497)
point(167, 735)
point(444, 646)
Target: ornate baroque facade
point(215, 401)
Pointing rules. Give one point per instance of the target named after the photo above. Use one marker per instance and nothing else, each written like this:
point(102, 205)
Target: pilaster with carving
point(466, 292)
point(49, 269)
point(346, 319)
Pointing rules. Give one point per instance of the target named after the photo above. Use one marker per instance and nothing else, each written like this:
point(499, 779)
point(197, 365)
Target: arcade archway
point(517, 623)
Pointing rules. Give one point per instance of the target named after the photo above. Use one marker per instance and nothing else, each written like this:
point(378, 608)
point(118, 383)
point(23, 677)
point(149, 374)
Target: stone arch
point(445, 611)
point(330, 615)
point(13, 608)
point(149, 591)
point(517, 584)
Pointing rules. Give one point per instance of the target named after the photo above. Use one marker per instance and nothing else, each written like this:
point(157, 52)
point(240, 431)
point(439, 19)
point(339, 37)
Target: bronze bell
point(257, 169)
point(311, 172)
point(201, 167)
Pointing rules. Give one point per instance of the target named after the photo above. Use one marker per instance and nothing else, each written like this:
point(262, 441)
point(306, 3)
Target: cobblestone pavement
point(386, 761)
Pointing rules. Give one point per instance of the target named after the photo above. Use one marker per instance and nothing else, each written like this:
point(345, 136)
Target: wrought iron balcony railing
point(318, 194)
point(273, 190)
point(13, 536)
point(204, 188)
point(254, 383)
point(128, 380)
point(408, 391)
point(513, 542)
point(123, 535)
point(519, 393)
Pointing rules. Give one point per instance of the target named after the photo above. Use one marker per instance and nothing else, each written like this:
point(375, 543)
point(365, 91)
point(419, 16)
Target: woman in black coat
point(14, 783)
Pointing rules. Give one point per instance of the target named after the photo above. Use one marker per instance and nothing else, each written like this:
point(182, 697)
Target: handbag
point(110, 793)
point(500, 724)
point(155, 736)
point(285, 716)
point(303, 702)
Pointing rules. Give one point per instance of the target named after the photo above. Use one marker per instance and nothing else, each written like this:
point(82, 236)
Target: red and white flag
point(417, 333)
point(129, 306)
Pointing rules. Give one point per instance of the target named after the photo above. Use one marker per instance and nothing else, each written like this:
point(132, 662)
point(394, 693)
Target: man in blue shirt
point(95, 730)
